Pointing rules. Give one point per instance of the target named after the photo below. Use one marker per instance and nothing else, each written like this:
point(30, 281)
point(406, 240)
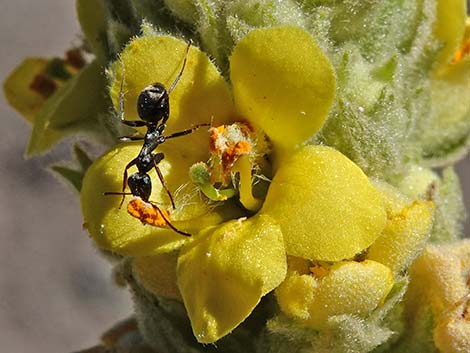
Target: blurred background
point(56, 293)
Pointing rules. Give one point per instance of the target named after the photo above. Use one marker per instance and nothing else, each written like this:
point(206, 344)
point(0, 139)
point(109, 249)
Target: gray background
point(56, 293)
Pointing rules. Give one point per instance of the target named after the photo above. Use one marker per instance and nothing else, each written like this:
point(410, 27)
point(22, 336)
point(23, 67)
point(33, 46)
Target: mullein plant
point(324, 211)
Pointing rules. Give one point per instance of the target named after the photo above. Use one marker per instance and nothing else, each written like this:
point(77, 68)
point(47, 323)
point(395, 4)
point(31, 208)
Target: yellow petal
point(404, 236)
point(355, 288)
point(439, 284)
point(295, 295)
point(224, 273)
point(201, 95)
point(283, 83)
point(326, 206)
point(114, 229)
point(453, 336)
point(439, 278)
point(157, 274)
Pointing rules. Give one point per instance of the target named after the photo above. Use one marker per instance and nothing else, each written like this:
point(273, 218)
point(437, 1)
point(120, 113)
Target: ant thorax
point(153, 138)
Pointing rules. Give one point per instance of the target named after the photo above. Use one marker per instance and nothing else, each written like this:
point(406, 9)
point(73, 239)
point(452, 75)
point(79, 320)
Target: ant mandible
point(153, 107)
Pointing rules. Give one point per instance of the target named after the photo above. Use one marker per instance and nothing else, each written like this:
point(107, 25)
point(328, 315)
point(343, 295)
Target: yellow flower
point(449, 28)
point(219, 277)
point(202, 96)
point(440, 286)
point(316, 291)
point(445, 131)
point(319, 207)
point(347, 287)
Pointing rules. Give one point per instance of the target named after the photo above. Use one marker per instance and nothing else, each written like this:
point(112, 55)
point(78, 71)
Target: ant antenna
point(121, 92)
point(173, 85)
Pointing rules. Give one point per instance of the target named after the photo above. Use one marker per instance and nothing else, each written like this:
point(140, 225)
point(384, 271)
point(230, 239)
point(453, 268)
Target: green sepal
point(343, 334)
point(93, 22)
point(445, 134)
point(74, 177)
point(450, 209)
point(83, 159)
point(346, 334)
point(417, 337)
point(122, 11)
point(184, 10)
point(74, 107)
point(74, 172)
point(118, 35)
point(378, 27)
point(200, 175)
point(158, 13)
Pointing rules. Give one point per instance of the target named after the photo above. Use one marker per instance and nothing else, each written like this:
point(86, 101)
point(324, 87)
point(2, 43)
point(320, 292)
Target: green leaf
point(158, 13)
point(444, 134)
point(74, 172)
point(118, 35)
point(122, 11)
point(84, 161)
point(74, 107)
point(74, 177)
point(93, 21)
point(450, 209)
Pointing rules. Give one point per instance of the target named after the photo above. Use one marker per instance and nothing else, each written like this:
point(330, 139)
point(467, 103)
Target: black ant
point(153, 107)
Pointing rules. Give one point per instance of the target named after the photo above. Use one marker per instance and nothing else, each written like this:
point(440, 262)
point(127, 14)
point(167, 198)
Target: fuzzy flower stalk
point(276, 176)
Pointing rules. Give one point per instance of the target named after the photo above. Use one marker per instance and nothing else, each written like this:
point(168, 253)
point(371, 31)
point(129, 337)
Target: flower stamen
point(464, 49)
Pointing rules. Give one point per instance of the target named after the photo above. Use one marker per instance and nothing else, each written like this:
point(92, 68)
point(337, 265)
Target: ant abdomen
point(140, 185)
point(153, 103)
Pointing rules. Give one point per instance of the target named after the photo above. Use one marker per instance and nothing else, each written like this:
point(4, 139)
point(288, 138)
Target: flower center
point(236, 165)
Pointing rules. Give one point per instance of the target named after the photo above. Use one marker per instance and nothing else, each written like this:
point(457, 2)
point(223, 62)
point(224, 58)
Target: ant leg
point(133, 123)
point(131, 138)
point(124, 179)
point(156, 159)
point(116, 193)
point(186, 132)
point(167, 221)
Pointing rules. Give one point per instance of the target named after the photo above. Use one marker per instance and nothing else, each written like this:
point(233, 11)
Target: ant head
point(153, 103)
